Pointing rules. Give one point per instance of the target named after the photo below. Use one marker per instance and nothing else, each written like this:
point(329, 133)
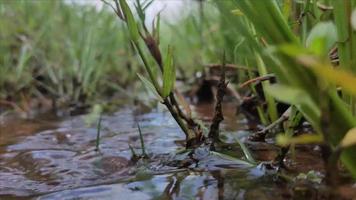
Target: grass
point(298, 77)
point(67, 55)
point(82, 55)
point(98, 131)
point(296, 59)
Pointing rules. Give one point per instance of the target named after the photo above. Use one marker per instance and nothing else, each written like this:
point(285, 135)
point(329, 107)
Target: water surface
point(55, 158)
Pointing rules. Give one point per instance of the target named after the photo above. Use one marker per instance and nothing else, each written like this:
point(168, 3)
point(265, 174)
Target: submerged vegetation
point(288, 65)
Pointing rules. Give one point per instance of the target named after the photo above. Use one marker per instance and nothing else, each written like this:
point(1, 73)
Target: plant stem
point(188, 135)
point(98, 130)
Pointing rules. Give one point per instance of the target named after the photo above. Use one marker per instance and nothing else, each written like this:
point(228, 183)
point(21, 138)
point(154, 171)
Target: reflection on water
point(56, 159)
point(220, 184)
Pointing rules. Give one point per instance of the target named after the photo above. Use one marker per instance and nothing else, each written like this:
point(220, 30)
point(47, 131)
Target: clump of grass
point(139, 34)
point(65, 56)
point(299, 76)
point(165, 71)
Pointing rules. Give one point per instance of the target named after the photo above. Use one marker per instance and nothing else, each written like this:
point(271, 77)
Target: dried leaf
point(349, 139)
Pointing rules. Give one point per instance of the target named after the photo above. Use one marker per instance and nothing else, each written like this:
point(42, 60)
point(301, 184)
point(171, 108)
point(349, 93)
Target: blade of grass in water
point(98, 130)
point(142, 141)
point(246, 151)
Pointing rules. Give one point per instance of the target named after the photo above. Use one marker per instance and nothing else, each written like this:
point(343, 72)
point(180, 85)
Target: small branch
point(260, 135)
point(13, 105)
point(257, 79)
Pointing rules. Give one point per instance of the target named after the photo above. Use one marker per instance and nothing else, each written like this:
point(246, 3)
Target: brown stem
point(12, 104)
point(331, 158)
point(260, 135)
point(218, 117)
point(191, 123)
point(188, 134)
point(257, 79)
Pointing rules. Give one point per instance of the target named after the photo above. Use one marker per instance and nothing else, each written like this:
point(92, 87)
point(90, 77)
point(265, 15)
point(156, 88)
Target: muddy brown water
point(55, 158)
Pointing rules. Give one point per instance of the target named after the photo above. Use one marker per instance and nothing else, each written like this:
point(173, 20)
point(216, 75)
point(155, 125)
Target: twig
point(257, 79)
point(13, 105)
point(260, 135)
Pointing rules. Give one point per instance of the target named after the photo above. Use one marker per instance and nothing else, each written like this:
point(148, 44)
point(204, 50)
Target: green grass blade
point(130, 20)
point(169, 75)
point(98, 131)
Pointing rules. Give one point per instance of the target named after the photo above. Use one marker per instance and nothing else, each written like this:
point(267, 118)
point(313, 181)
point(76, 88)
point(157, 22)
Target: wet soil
point(55, 158)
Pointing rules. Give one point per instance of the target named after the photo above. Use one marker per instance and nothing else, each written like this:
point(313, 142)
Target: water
point(51, 158)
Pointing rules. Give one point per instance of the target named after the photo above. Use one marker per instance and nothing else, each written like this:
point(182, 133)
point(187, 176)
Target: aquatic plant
point(305, 76)
point(298, 54)
point(165, 92)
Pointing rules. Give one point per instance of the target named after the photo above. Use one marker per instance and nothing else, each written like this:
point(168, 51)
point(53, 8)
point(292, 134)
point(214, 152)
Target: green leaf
point(149, 68)
point(349, 139)
point(169, 75)
point(296, 97)
point(287, 5)
point(227, 157)
point(237, 12)
point(322, 37)
point(156, 30)
point(149, 86)
point(288, 94)
point(143, 149)
point(285, 140)
point(130, 20)
point(339, 77)
point(140, 11)
point(353, 19)
point(293, 49)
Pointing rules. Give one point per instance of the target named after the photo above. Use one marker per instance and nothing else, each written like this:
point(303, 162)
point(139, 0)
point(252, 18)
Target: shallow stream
point(55, 158)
